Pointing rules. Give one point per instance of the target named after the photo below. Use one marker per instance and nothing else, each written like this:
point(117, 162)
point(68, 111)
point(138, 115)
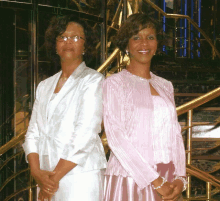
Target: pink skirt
point(119, 188)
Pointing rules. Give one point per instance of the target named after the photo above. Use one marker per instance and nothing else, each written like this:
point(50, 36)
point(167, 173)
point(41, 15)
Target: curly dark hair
point(58, 25)
point(133, 25)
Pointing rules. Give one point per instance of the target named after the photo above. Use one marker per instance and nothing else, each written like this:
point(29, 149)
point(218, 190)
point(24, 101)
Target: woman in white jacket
point(62, 144)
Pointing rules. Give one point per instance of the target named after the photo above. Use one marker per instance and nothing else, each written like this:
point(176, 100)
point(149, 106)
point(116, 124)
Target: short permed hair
point(135, 23)
point(58, 25)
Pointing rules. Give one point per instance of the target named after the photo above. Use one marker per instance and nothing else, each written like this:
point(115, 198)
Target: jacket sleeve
point(88, 124)
point(123, 149)
point(32, 136)
point(179, 154)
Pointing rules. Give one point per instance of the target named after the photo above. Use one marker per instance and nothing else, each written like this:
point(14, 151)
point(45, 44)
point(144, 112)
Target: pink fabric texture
point(120, 188)
point(141, 131)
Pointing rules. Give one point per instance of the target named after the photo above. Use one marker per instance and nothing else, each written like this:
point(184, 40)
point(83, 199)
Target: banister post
point(189, 150)
point(208, 190)
point(30, 192)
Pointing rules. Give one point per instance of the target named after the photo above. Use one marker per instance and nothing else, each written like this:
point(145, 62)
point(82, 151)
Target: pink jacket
point(129, 124)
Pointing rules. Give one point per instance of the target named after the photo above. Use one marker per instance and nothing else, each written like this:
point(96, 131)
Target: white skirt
point(87, 186)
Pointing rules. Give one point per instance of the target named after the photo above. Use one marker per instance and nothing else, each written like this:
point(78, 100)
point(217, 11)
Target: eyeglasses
point(73, 38)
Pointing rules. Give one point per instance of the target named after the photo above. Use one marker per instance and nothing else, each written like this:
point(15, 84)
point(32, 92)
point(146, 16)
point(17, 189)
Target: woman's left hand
point(43, 196)
point(177, 186)
point(48, 191)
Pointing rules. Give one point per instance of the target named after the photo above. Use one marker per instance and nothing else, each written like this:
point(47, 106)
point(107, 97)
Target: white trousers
point(87, 186)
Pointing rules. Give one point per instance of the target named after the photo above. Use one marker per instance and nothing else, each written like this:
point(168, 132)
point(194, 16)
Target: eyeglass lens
point(64, 38)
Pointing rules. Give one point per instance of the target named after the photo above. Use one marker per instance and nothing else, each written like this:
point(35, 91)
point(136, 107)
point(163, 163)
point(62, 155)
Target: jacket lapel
point(47, 94)
point(68, 86)
point(160, 86)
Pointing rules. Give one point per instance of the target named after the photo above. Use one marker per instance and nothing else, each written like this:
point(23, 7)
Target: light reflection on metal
point(180, 110)
point(113, 21)
point(18, 192)
point(128, 14)
point(30, 195)
point(189, 136)
point(208, 190)
point(189, 150)
point(10, 158)
point(12, 177)
point(198, 101)
point(136, 6)
point(108, 61)
point(176, 16)
point(104, 32)
point(202, 175)
point(14, 141)
point(77, 4)
point(124, 13)
point(188, 190)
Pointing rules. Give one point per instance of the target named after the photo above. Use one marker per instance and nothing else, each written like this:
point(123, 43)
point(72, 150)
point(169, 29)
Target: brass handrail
point(180, 110)
point(198, 101)
point(206, 175)
point(14, 141)
point(185, 17)
point(20, 136)
point(113, 21)
point(108, 61)
point(201, 176)
point(78, 6)
point(8, 159)
point(19, 191)
point(12, 177)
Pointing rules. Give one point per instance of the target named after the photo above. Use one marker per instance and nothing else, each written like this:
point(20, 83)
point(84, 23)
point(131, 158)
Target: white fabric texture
point(69, 130)
point(86, 186)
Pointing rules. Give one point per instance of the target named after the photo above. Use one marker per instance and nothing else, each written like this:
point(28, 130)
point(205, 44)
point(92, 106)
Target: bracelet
point(183, 180)
point(163, 182)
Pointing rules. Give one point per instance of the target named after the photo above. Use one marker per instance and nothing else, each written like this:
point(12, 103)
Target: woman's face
point(71, 50)
point(142, 46)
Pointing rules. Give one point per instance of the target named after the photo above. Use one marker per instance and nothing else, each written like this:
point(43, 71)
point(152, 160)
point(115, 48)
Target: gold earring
point(126, 58)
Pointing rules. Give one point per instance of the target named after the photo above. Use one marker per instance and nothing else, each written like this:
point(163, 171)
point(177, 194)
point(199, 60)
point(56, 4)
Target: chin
point(145, 61)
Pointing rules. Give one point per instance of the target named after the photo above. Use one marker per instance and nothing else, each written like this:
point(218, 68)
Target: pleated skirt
point(118, 188)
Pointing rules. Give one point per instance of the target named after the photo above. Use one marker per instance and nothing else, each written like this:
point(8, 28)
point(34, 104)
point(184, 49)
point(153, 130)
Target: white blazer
point(70, 129)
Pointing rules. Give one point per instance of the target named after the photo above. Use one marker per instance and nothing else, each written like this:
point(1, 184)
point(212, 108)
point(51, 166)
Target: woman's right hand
point(166, 189)
point(42, 177)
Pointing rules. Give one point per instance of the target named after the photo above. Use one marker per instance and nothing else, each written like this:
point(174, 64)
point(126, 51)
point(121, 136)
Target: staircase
point(196, 78)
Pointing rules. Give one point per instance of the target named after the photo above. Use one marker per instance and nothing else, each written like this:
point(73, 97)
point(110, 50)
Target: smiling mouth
point(144, 51)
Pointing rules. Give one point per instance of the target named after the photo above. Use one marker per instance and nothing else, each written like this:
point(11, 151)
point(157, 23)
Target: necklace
point(63, 78)
point(137, 76)
point(62, 81)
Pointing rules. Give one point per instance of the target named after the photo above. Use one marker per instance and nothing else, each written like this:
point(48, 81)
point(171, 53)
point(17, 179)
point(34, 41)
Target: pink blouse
point(142, 130)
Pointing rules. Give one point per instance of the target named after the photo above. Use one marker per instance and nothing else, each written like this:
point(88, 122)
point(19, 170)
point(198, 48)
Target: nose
point(145, 41)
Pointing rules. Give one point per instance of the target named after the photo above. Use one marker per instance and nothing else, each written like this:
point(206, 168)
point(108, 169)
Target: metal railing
point(188, 107)
point(191, 22)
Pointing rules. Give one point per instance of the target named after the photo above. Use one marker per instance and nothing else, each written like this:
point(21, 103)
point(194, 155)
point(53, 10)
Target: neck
point(141, 70)
point(68, 67)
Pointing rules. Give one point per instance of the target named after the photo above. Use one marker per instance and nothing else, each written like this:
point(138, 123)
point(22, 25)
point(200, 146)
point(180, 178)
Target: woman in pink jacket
point(147, 161)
